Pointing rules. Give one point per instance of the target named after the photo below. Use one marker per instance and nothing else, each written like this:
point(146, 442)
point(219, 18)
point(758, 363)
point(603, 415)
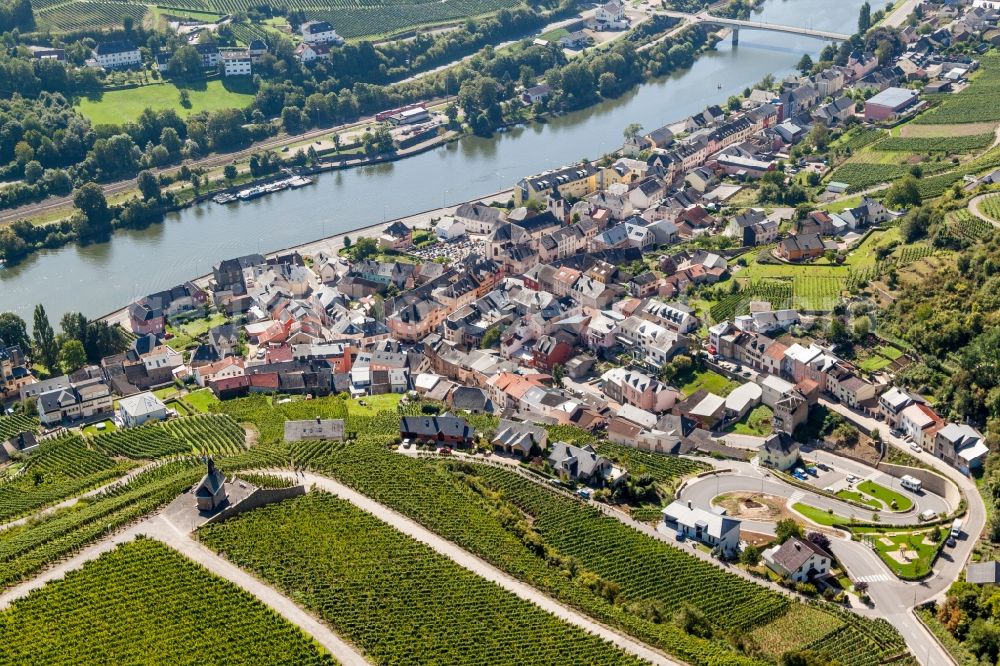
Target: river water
point(99, 278)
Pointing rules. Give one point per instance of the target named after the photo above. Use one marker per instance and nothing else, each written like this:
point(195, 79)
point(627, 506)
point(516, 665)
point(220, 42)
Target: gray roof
point(893, 97)
point(212, 482)
point(983, 572)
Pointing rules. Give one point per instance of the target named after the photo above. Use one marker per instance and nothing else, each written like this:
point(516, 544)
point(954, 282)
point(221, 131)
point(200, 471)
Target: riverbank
point(333, 244)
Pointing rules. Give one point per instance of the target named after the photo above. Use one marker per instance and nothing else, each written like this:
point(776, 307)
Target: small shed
point(314, 429)
point(983, 573)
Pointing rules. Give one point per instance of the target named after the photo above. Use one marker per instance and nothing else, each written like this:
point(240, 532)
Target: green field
point(393, 596)
point(711, 381)
point(858, 497)
point(201, 400)
point(757, 422)
point(975, 104)
point(819, 516)
point(895, 547)
point(886, 496)
point(119, 106)
point(144, 603)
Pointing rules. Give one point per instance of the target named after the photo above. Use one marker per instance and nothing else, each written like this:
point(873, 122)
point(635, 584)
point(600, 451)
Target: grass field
point(886, 496)
point(119, 106)
point(144, 603)
point(908, 554)
point(711, 381)
point(819, 516)
point(202, 400)
point(858, 497)
point(758, 422)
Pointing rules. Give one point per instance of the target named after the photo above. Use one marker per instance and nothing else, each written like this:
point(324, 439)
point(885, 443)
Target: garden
point(758, 422)
point(908, 553)
point(146, 603)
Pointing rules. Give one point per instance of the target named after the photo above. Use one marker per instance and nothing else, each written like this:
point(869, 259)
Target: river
point(101, 277)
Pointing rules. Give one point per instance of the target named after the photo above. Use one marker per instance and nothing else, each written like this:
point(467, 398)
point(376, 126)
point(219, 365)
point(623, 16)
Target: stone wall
point(256, 499)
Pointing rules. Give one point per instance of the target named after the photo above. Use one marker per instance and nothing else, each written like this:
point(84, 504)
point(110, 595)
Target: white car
point(915, 448)
point(852, 479)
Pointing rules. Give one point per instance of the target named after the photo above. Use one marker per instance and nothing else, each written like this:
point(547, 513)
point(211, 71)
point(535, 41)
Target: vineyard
point(975, 104)
point(858, 138)
point(16, 424)
point(351, 20)
point(466, 514)
point(663, 468)
point(777, 293)
point(943, 144)
point(60, 468)
point(862, 175)
point(27, 548)
point(208, 433)
point(990, 206)
point(86, 15)
point(145, 442)
point(393, 596)
point(145, 603)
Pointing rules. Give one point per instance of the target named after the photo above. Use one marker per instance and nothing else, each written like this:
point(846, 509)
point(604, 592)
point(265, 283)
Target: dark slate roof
point(212, 482)
point(470, 398)
point(107, 48)
point(430, 426)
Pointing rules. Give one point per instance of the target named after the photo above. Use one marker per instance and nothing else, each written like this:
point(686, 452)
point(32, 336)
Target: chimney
point(689, 504)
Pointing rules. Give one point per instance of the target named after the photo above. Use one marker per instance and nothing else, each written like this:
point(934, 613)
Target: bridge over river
point(737, 24)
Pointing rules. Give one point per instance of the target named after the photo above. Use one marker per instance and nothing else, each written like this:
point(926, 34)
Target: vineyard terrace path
point(160, 528)
point(974, 203)
point(480, 567)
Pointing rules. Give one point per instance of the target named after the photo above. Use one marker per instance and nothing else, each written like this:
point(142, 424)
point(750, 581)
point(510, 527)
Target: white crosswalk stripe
point(796, 496)
point(876, 578)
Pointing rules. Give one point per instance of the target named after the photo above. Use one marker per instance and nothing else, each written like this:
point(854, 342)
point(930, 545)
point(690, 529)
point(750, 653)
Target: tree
point(864, 19)
point(819, 539)
point(90, 200)
point(805, 64)
point(786, 529)
point(186, 61)
point(45, 347)
point(185, 99)
point(750, 556)
point(734, 103)
point(347, 242)
point(148, 185)
point(819, 136)
point(13, 331)
point(632, 130)
point(557, 375)
point(72, 356)
point(490, 338)
point(230, 172)
point(903, 193)
point(33, 172)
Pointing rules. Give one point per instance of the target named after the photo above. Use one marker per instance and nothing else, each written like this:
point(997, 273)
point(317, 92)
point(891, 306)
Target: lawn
point(874, 363)
point(855, 496)
point(91, 430)
point(711, 381)
point(118, 106)
point(887, 496)
point(758, 422)
point(374, 404)
point(201, 400)
point(186, 334)
point(554, 35)
point(819, 516)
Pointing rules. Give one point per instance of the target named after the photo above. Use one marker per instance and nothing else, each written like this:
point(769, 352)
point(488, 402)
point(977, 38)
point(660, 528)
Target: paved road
point(480, 567)
point(896, 599)
point(900, 13)
point(975, 202)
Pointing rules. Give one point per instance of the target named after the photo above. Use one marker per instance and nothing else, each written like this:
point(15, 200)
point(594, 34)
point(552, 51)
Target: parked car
point(852, 479)
point(915, 448)
point(446, 451)
point(680, 535)
point(812, 471)
point(951, 542)
point(823, 466)
point(584, 493)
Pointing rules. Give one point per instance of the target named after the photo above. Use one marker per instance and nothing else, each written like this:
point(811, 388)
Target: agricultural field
point(200, 434)
point(146, 603)
point(663, 468)
point(14, 424)
point(86, 15)
point(777, 293)
point(115, 107)
point(990, 207)
point(864, 175)
point(801, 624)
point(60, 468)
point(393, 596)
point(943, 144)
point(974, 104)
point(379, 18)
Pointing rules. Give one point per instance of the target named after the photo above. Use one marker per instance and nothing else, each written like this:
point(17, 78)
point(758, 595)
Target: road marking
point(796, 496)
point(875, 578)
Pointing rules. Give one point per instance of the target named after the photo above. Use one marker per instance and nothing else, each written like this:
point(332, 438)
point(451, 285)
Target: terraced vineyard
point(351, 20)
point(393, 596)
point(862, 175)
point(990, 207)
point(145, 603)
point(14, 424)
point(60, 468)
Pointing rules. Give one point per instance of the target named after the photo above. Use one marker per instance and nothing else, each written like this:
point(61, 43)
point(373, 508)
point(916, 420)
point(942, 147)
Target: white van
point(910, 483)
point(956, 528)
point(928, 515)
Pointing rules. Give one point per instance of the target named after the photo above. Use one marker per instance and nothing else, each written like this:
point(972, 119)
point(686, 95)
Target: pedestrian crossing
point(875, 578)
point(796, 497)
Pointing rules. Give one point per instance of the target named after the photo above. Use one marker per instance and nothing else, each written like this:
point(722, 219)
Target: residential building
point(798, 560)
point(890, 103)
point(237, 63)
point(581, 464)
point(78, 401)
point(920, 423)
point(779, 451)
point(960, 445)
point(319, 32)
point(140, 408)
point(892, 403)
point(479, 218)
point(706, 526)
point(801, 247)
point(117, 55)
point(519, 438)
point(445, 430)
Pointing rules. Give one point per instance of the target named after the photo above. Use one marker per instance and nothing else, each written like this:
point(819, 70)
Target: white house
point(114, 55)
point(779, 451)
point(611, 16)
point(706, 526)
point(448, 229)
point(742, 400)
point(140, 408)
point(237, 63)
point(797, 560)
point(320, 32)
